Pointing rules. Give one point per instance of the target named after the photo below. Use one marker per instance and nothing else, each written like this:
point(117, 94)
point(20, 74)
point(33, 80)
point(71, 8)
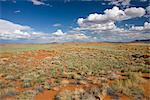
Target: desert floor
point(75, 71)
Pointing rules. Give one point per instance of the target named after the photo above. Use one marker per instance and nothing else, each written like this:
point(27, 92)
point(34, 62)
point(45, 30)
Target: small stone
point(56, 88)
point(64, 82)
point(83, 82)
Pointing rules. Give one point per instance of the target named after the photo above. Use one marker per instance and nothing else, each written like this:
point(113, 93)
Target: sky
point(46, 21)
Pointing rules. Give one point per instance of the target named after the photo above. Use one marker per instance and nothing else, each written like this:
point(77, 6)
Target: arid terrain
point(75, 71)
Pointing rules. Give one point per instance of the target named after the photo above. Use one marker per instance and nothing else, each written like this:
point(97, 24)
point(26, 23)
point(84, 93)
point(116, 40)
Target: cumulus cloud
point(98, 27)
point(148, 9)
point(70, 38)
point(99, 23)
point(10, 30)
point(117, 34)
point(145, 28)
point(13, 31)
point(104, 25)
point(8, 27)
point(60, 36)
point(119, 2)
point(111, 15)
point(134, 12)
point(58, 33)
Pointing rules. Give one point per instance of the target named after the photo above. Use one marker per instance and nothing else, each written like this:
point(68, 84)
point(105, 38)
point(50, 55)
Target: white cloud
point(106, 30)
point(17, 11)
point(98, 27)
point(111, 15)
point(60, 36)
point(58, 33)
point(143, 0)
point(39, 2)
point(10, 30)
point(144, 28)
point(13, 31)
point(14, 1)
point(78, 36)
point(108, 16)
point(116, 34)
point(99, 23)
point(57, 25)
point(115, 14)
point(119, 2)
point(148, 9)
point(8, 27)
point(134, 12)
point(103, 3)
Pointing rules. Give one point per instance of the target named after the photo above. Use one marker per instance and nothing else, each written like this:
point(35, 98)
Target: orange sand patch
point(40, 54)
point(147, 76)
point(107, 97)
point(8, 98)
point(50, 94)
point(125, 98)
point(146, 86)
point(46, 95)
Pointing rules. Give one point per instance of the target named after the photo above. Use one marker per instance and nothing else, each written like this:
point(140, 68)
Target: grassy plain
point(75, 71)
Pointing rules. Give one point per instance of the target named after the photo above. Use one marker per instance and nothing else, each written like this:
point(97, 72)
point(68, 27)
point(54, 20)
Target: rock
point(83, 82)
point(113, 76)
point(56, 88)
point(56, 62)
point(39, 89)
point(10, 77)
point(64, 82)
point(4, 59)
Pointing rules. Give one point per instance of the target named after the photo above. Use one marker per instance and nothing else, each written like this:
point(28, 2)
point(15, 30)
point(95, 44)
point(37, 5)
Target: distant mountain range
point(143, 41)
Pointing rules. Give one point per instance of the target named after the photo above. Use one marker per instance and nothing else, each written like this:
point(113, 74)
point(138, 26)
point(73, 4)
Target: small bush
point(127, 87)
point(135, 77)
point(1, 84)
point(47, 86)
point(69, 95)
point(26, 95)
point(10, 77)
point(27, 84)
point(39, 89)
point(7, 92)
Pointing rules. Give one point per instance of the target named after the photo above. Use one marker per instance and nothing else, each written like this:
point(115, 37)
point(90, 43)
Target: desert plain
point(75, 71)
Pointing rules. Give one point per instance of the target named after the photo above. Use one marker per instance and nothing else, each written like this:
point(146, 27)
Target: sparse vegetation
point(74, 70)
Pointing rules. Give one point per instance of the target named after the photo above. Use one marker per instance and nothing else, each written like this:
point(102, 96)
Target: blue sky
point(33, 21)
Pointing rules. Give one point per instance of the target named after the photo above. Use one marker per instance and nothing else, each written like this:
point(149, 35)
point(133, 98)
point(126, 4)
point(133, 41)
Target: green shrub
point(26, 84)
point(53, 72)
point(10, 77)
point(47, 86)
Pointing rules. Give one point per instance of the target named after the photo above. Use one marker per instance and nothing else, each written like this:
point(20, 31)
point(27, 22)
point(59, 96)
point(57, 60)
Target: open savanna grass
point(31, 69)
